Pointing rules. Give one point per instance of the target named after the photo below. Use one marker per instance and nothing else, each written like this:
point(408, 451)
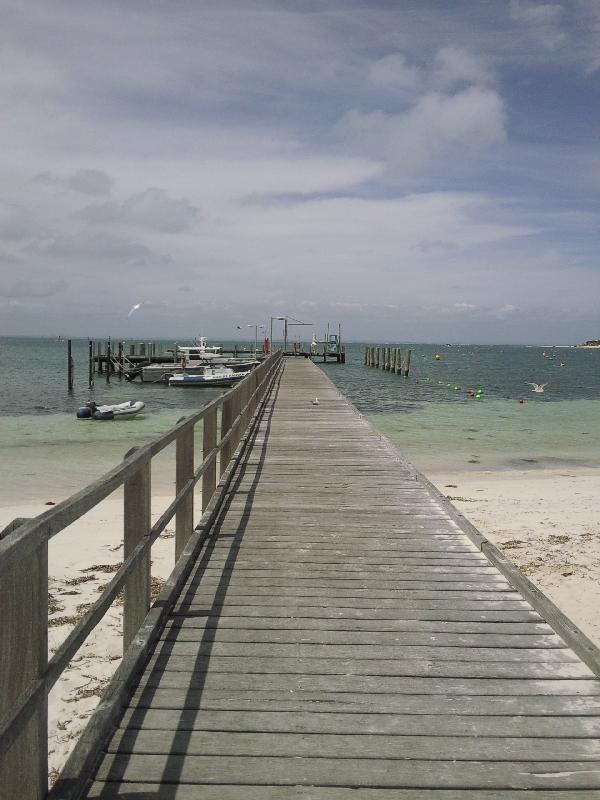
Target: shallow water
point(436, 424)
point(428, 414)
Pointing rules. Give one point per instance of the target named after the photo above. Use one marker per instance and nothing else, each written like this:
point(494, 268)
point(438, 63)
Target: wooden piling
point(366, 355)
point(131, 349)
point(120, 359)
point(69, 366)
point(90, 363)
point(377, 355)
point(108, 361)
point(407, 369)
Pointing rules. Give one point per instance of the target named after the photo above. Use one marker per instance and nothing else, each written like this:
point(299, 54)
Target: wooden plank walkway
point(341, 637)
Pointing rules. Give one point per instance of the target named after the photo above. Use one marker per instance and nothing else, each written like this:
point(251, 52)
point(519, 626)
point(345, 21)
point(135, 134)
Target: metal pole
point(285, 332)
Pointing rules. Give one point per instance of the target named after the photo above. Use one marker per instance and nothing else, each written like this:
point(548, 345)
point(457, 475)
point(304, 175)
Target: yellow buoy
point(437, 356)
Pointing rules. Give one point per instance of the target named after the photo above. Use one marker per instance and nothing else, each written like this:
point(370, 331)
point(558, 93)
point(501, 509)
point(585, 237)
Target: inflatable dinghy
point(117, 411)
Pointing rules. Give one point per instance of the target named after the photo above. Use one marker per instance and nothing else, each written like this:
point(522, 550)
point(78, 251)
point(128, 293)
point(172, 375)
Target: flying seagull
point(134, 308)
point(537, 387)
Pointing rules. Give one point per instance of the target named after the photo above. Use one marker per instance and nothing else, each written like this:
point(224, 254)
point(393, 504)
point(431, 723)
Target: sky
point(417, 170)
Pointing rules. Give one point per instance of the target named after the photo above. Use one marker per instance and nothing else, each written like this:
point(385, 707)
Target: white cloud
point(393, 72)
point(152, 209)
point(454, 66)
point(541, 20)
point(86, 181)
point(436, 123)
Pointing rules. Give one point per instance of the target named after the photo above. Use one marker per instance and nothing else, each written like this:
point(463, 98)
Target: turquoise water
point(436, 424)
point(428, 414)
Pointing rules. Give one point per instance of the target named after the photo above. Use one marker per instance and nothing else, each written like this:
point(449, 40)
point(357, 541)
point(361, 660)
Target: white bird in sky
point(537, 387)
point(134, 308)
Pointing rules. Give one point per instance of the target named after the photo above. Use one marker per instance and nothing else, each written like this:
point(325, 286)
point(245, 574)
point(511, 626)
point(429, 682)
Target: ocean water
point(437, 426)
point(428, 414)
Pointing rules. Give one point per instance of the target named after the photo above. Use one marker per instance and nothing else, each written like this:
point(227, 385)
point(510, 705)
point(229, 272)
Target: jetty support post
point(108, 361)
point(209, 442)
point(90, 363)
point(136, 513)
point(69, 366)
point(184, 472)
point(387, 359)
point(407, 368)
point(377, 351)
point(120, 359)
point(366, 356)
point(23, 662)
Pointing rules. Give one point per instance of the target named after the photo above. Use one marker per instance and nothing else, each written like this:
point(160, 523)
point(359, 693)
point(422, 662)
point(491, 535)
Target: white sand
point(547, 522)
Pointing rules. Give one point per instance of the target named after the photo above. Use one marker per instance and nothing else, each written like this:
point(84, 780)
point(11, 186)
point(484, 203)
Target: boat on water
point(160, 373)
point(115, 411)
point(200, 349)
point(209, 376)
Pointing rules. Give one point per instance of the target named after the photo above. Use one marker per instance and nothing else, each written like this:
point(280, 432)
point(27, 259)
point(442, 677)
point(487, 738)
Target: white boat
point(160, 373)
point(209, 376)
point(200, 349)
point(116, 411)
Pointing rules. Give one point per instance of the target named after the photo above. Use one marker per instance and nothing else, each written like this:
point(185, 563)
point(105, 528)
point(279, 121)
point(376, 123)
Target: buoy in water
point(437, 356)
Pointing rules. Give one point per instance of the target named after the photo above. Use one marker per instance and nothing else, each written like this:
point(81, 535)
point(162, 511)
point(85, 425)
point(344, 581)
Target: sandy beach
point(547, 522)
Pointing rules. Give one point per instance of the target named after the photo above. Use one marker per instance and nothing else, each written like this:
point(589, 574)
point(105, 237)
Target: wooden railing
point(26, 675)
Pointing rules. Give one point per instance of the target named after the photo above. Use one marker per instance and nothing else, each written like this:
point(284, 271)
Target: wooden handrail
point(28, 539)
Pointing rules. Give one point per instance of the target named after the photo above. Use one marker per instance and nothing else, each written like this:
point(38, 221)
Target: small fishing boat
point(116, 411)
point(209, 376)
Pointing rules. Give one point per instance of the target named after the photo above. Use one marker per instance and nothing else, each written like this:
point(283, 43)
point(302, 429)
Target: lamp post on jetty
point(256, 327)
point(271, 340)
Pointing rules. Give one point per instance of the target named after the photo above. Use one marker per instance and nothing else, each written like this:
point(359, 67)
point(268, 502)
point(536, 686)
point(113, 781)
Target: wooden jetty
point(335, 629)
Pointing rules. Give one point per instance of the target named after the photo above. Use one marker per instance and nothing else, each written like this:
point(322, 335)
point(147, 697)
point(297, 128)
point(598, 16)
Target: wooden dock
point(343, 636)
point(333, 629)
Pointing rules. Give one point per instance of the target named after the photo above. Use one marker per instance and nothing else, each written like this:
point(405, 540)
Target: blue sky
point(424, 171)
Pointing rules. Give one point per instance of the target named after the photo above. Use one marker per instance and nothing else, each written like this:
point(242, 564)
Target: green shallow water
point(496, 434)
point(44, 448)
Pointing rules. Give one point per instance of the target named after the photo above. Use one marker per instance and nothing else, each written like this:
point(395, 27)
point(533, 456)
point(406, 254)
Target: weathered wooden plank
point(358, 638)
point(367, 686)
point(155, 791)
point(358, 651)
point(389, 773)
point(355, 746)
point(171, 670)
point(457, 725)
point(224, 621)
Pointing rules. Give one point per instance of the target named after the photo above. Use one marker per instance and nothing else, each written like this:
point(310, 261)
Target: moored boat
point(115, 411)
point(209, 376)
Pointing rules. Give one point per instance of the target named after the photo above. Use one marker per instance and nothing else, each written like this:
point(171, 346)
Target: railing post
point(226, 419)
point(23, 660)
point(136, 526)
point(209, 442)
point(184, 471)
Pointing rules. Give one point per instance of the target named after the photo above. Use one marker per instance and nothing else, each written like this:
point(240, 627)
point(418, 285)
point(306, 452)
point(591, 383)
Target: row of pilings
point(388, 359)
